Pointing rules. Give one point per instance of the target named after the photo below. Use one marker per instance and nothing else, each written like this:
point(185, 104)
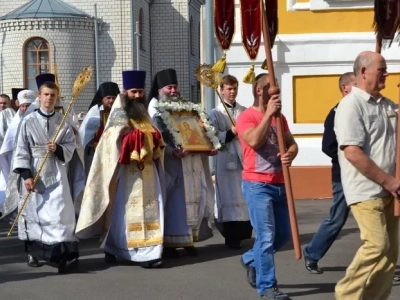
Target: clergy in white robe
point(92, 127)
point(6, 116)
point(190, 192)
point(76, 172)
point(232, 212)
point(123, 199)
point(25, 98)
point(47, 222)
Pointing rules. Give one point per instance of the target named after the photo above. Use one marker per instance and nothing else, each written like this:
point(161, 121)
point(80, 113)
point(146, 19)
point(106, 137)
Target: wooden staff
point(274, 90)
point(387, 21)
point(397, 201)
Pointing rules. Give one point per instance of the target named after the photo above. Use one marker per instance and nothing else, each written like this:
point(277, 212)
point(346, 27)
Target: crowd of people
point(118, 172)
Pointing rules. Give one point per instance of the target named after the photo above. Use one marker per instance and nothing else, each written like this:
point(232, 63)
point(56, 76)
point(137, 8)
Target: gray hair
point(364, 59)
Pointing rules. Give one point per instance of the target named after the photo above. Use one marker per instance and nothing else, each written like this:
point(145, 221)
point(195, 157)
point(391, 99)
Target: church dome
point(36, 9)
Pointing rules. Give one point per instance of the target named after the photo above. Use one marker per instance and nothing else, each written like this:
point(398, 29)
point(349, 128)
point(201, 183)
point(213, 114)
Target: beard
point(162, 96)
point(135, 108)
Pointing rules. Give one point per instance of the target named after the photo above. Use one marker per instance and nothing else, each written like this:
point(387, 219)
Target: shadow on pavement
point(309, 288)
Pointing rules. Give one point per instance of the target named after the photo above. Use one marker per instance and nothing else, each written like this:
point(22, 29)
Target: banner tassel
point(250, 76)
point(264, 65)
point(220, 65)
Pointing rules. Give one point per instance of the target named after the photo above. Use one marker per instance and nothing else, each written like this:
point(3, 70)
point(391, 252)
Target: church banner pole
point(137, 33)
point(274, 90)
point(387, 22)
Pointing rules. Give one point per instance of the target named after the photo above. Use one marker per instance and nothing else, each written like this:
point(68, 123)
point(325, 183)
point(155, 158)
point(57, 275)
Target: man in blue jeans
point(263, 186)
point(331, 226)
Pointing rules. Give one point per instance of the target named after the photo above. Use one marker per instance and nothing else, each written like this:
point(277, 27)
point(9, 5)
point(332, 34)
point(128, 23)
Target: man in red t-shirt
point(263, 186)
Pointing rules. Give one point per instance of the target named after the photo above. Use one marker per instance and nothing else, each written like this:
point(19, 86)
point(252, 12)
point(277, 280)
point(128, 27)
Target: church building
point(41, 36)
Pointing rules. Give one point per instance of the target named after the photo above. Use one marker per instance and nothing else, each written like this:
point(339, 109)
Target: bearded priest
point(123, 199)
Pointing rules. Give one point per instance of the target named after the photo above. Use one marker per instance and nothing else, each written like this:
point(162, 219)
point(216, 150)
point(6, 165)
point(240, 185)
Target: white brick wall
point(71, 48)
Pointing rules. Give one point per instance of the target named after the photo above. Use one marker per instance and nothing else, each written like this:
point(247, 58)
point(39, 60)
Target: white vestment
point(231, 205)
point(49, 215)
point(6, 116)
point(6, 153)
point(190, 195)
point(87, 130)
point(121, 200)
point(152, 109)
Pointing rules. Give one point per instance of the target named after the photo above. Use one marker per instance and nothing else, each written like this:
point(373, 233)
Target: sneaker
point(250, 274)
point(273, 294)
point(312, 266)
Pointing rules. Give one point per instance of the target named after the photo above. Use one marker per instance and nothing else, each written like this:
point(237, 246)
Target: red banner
point(271, 8)
point(387, 17)
point(224, 22)
point(251, 26)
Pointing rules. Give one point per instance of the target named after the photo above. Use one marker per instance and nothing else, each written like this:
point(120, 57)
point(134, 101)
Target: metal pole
point(132, 40)
point(209, 54)
point(137, 33)
point(96, 46)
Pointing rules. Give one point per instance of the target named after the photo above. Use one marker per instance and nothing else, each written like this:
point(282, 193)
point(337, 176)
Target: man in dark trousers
point(331, 226)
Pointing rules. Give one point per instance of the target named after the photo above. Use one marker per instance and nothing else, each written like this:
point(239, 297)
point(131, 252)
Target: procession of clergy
point(116, 175)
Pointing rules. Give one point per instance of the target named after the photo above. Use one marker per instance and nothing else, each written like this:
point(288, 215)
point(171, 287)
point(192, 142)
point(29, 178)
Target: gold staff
point(80, 82)
point(210, 78)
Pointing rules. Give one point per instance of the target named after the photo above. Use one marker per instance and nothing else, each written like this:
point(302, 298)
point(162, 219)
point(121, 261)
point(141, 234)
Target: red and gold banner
point(224, 22)
point(251, 26)
point(271, 7)
point(224, 26)
point(387, 18)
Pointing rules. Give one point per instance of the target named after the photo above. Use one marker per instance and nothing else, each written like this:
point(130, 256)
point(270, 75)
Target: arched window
point(141, 41)
point(37, 60)
point(192, 40)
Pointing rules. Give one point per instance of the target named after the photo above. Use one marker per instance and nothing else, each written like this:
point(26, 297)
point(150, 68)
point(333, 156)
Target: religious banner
point(224, 26)
point(387, 18)
point(251, 16)
point(188, 125)
point(271, 11)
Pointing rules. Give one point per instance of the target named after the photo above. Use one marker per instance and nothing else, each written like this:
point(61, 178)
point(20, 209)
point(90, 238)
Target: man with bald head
point(263, 186)
point(365, 126)
point(331, 226)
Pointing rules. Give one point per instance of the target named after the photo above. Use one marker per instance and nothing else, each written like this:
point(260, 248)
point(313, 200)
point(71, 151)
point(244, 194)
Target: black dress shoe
point(32, 261)
point(251, 274)
point(65, 265)
point(110, 258)
point(170, 253)
point(234, 245)
point(312, 266)
point(192, 251)
point(152, 264)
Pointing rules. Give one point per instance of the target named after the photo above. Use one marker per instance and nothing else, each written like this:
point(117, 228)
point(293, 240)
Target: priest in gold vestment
point(123, 199)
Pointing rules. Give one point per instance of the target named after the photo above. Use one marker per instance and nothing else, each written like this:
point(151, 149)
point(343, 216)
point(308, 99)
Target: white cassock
point(87, 130)
point(152, 109)
point(6, 117)
point(49, 216)
point(6, 153)
point(229, 166)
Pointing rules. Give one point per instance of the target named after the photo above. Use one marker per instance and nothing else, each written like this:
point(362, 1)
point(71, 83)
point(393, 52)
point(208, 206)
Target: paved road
point(214, 275)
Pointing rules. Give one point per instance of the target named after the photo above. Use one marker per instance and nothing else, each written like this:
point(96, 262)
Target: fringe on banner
point(250, 76)
point(220, 65)
point(264, 65)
